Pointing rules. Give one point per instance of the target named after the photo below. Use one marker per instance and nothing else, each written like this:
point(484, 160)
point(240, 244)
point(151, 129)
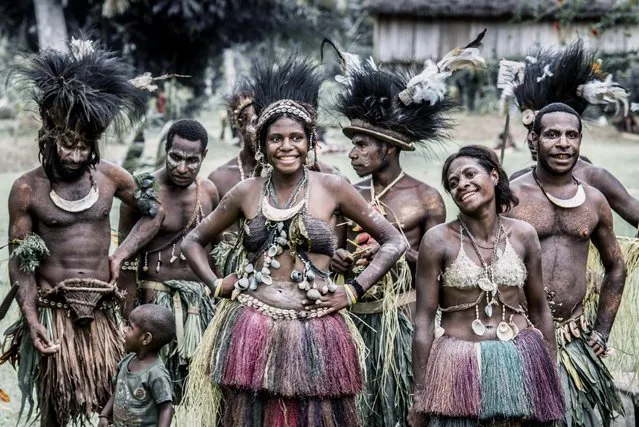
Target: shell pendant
point(478, 327)
point(486, 285)
point(505, 332)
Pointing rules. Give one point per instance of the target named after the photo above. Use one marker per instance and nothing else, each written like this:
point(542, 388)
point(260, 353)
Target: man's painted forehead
point(560, 118)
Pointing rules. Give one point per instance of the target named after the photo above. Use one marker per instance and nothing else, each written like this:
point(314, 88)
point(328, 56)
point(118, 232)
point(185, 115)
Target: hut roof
point(495, 9)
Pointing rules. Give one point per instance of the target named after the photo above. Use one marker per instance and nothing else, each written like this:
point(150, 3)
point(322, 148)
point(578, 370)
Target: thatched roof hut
point(416, 30)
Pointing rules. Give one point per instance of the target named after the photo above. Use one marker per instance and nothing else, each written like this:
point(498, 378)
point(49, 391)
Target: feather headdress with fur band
point(79, 94)
point(398, 109)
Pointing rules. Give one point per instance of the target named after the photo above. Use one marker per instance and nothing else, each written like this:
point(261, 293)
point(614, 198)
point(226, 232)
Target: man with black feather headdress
point(389, 114)
point(568, 214)
point(68, 341)
point(567, 77)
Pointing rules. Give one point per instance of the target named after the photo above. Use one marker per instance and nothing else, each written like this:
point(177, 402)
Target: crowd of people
point(276, 293)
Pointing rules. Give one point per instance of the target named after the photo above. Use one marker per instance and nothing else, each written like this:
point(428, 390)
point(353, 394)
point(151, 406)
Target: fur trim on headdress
point(397, 109)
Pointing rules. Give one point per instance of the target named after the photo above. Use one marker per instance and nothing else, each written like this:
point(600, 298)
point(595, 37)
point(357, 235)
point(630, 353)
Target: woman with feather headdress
point(280, 351)
point(68, 341)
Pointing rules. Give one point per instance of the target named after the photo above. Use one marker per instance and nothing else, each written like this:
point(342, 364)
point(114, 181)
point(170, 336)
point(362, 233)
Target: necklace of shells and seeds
point(505, 330)
point(276, 217)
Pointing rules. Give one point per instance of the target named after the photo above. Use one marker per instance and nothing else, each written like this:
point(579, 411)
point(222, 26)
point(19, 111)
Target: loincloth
point(76, 381)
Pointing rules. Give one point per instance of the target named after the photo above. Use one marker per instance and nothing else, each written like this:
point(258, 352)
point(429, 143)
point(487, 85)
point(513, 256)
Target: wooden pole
point(504, 137)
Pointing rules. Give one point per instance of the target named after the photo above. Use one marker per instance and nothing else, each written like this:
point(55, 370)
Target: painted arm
point(127, 281)
point(604, 239)
point(616, 194)
point(142, 232)
point(392, 244)
point(194, 244)
point(435, 210)
point(20, 225)
point(429, 267)
point(538, 309)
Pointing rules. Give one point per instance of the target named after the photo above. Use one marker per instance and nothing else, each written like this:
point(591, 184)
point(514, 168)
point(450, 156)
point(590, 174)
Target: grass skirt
point(624, 335)
point(588, 385)
point(387, 392)
point(491, 381)
point(193, 311)
point(252, 370)
point(76, 381)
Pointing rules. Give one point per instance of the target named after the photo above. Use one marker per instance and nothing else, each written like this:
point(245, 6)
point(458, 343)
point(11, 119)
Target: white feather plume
point(605, 92)
point(80, 48)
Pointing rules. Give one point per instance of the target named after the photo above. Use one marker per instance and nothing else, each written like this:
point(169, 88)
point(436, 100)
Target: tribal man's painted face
point(184, 160)
point(470, 185)
point(246, 124)
point(74, 155)
point(368, 155)
point(558, 142)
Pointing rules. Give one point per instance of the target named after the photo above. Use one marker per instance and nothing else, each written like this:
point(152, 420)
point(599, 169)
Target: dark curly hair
point(555, 107)
point(187, 129)
point(504, 197)
point(156, 319)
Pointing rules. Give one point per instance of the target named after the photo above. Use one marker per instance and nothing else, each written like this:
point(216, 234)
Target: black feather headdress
point(396, 108)
point(289, 87)
point(550, 76)
point(371, 102)
point(79, 94)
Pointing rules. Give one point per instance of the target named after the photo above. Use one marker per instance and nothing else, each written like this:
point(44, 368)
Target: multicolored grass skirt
point(490, 382)
point(77, 380)
point(274, 372)
point(387, 391)
point(193, 310)
point(589, 389)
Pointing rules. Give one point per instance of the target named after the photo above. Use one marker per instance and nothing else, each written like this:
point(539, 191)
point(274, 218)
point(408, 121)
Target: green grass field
point(603, 145)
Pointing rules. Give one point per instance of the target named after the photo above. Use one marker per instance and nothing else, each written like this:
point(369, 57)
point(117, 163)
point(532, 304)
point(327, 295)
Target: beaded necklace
point(241, 168)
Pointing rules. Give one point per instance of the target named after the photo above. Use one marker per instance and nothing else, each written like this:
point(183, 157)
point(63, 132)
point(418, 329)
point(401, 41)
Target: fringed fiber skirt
point(491, 382)
point(193, 310)
point(589, 388)
point(76, 381)
point(389, 374)
point(268, 372)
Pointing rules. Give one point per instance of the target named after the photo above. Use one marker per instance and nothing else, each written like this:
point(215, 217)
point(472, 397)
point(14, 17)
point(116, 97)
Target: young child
point(143, 392)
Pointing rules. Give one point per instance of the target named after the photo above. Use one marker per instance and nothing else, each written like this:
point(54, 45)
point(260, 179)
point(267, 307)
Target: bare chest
point(183, 209)
point(49, 215)
point(401, 208)
point(550, 220)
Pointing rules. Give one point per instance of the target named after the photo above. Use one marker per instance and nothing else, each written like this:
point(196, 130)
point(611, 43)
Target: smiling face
point(286, 145)
point(367, 155)
point(183, 161)
point(558, 142)
point(470, 185)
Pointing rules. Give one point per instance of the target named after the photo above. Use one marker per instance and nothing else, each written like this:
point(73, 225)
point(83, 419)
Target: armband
point(146, 195)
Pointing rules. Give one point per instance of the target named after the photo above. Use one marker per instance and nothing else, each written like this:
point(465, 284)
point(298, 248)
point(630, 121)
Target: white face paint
point(183, 161)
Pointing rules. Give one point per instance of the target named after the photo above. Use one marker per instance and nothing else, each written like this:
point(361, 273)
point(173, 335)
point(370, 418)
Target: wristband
point(359, 291)
point(350, 294)
point(218, 288)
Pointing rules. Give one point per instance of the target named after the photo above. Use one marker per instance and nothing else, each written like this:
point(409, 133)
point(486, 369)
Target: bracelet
point(218, 288)
point(359, 291)
point(350, 294)
point(130, 265)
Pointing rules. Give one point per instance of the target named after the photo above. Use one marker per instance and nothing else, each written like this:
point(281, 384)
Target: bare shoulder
point(220, 171)
point(522, 181)
point(209, 187)
point(27, 183)
point(113, 172)
point(594, 195)
point(519, 228)
point(435, 237)
point(332, 182)
point(426, 192)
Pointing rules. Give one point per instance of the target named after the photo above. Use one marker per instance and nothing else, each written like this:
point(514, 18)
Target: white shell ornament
point(505, 332)
point(478, 327)
point(313, 294)
point(486, 285)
